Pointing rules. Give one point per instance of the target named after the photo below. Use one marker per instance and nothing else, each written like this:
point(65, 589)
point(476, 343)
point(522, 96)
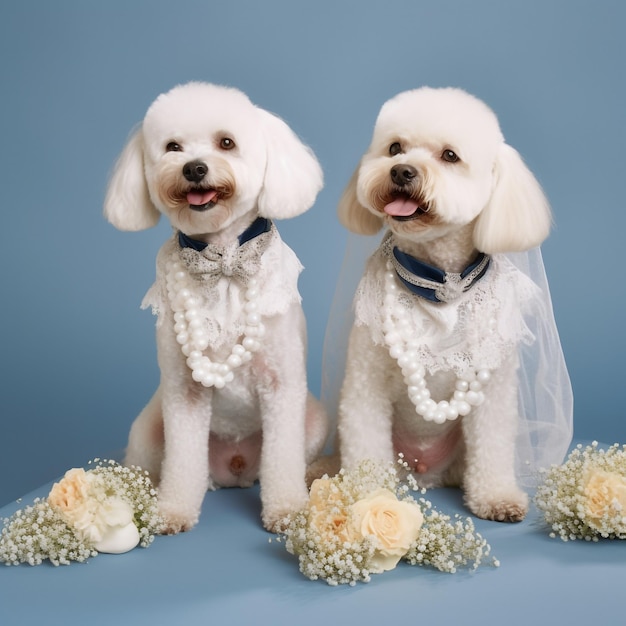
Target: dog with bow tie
point(432, 360)
point(232, 405)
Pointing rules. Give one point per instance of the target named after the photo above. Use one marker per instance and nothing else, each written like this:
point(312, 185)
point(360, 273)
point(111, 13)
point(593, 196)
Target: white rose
point(118, 539)
point(114, 530)
point(393, 523)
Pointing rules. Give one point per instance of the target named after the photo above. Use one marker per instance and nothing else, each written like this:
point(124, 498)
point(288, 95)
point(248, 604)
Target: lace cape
point(222, 308)
point(509, 308)
point(477, 330)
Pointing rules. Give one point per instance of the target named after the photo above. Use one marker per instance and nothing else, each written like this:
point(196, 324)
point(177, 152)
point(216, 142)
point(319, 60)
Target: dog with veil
point(450, 353)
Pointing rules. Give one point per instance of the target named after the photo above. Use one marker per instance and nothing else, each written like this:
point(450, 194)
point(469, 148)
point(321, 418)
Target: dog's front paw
point(276, 523)
point(277, 520)
point(176, 521)
point(510, 507)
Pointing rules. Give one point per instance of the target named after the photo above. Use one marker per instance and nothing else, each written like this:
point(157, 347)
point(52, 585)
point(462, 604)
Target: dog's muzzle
point(199, 199)
point(404, 207)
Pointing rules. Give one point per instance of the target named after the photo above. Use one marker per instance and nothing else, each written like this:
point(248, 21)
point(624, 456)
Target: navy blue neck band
point(258, 227)
point(413, 273)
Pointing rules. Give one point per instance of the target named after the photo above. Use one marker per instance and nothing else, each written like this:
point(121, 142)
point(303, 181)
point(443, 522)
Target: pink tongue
point(401, 207)
point(198, 198)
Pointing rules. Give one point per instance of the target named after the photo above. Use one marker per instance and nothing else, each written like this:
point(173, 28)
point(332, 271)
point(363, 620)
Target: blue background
point(78, 357)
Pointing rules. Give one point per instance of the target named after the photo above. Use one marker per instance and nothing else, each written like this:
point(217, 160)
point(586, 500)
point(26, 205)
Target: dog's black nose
point(402, 174)
point(195, 171)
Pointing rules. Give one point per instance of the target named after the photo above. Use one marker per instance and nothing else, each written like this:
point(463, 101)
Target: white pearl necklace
point(403, 348)
point(192, 336)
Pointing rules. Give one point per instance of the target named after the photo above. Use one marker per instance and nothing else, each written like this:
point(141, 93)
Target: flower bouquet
point(364, 522)
point(109, 508)
point(585, 497)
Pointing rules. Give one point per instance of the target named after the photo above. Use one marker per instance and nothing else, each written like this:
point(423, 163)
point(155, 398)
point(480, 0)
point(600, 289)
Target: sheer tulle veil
point(545, 393)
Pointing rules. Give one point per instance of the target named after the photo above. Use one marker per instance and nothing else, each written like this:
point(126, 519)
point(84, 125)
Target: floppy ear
point(353, 215)
point(127, 204)
point(517, 216)
point(293, 177)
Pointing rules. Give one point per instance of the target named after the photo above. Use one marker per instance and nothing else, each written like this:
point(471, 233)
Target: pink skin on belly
point(428, 453)
point(235, 463)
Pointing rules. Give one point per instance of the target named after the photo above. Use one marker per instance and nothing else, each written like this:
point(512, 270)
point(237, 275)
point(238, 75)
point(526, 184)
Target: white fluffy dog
point(233, 403)
point(432, 356)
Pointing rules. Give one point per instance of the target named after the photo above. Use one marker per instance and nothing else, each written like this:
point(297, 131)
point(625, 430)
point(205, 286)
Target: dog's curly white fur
point(212, 162)
point(440, 177)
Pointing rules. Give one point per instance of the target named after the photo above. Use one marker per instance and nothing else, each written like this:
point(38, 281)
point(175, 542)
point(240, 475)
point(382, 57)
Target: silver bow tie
point(241, 262)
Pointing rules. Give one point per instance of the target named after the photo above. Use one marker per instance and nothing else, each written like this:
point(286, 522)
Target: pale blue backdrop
point(78, 357)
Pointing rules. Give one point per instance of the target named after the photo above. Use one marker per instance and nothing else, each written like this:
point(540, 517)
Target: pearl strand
point(397, 331)
point(193, 338)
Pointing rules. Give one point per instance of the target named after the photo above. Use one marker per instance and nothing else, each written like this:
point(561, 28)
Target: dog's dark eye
point(395, 148)
point(450, 156)
point(172, 146)
point(226, 143)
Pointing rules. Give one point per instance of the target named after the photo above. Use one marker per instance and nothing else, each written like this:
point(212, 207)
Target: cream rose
point(605, 494)
point(70, 492)
point(328, 514)
point(394, 524)
point(324, 494)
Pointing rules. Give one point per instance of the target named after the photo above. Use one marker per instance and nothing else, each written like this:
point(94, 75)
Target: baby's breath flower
point(52, 528)
point(362, 522)
point(447, 543)
point(584, 498)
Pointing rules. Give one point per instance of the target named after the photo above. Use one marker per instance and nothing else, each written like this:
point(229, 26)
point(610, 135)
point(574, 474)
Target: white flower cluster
point(364, 522)
point(39, 532)
point(448, 543)
point(109, 508)
point(133, 485)
point(585, 497)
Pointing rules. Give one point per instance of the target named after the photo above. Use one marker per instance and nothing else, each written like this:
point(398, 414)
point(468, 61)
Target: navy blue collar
point(258, 227)
point(434, 284)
